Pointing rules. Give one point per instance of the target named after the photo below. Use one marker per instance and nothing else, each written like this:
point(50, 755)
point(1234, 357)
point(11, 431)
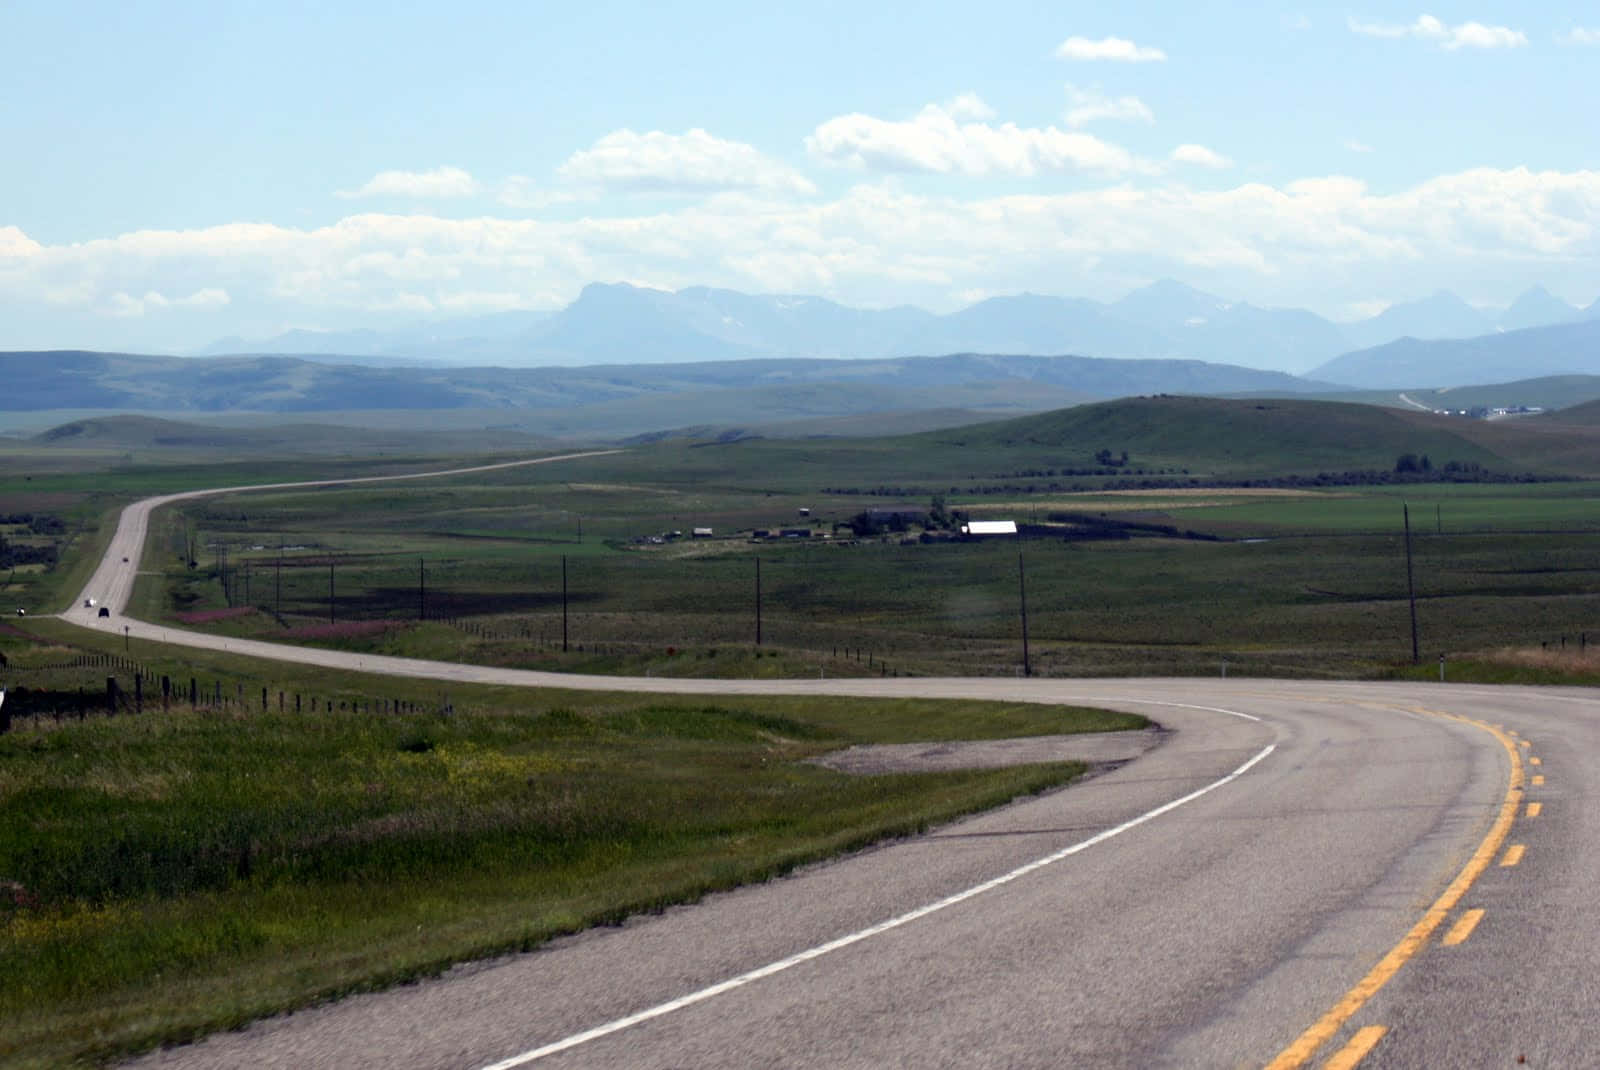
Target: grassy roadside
point(177, 873)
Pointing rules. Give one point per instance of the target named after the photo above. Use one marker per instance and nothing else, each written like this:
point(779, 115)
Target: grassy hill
point(1255, 437)
point(143, 433)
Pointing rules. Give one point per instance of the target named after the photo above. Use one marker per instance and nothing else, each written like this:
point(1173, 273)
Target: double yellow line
point(1306, 1045)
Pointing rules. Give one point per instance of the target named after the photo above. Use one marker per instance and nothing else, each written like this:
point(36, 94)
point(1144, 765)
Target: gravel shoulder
point(1098, 749)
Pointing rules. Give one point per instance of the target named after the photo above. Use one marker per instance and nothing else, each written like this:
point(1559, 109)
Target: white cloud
point(1091, 105)
point(1111, 48)
point(1580, 35)
point(695, 162)
point(1364, 310)
point(1450, 38)
point(968, 106)
point(1357, 146)
point(15, 243)
point(1200, 155)
point(124, 306)
point(440, 182)
point(936, 141)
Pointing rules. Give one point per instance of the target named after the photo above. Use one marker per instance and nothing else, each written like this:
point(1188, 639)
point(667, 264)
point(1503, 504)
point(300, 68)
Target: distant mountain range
point(622, 324)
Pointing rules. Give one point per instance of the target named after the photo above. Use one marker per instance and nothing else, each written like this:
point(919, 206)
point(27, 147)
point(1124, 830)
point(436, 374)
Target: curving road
point(1304, 872)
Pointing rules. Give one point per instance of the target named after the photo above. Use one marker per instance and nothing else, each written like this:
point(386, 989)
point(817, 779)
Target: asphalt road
point(1296, 875)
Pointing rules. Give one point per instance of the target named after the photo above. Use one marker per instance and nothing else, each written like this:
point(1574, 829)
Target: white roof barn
point(989, 527)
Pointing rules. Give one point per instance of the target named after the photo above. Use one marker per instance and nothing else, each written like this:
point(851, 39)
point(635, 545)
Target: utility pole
point(563, 603)
point(422, 591)
point(277, 584)
point(1022, 590)
point(247, 581)
point(758, 601)
point(1411, 586)
point(330, 590)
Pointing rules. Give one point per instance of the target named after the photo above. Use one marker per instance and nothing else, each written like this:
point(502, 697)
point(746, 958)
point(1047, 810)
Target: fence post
point(111, 695)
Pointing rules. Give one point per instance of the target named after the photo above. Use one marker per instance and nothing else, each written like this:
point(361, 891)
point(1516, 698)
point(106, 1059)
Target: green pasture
point(1296, 585)
point(186, 870)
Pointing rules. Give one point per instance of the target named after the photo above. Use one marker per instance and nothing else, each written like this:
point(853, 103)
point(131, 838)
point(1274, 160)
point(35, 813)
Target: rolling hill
point(1563, 349)
point(1261, 437)
point(604, 399)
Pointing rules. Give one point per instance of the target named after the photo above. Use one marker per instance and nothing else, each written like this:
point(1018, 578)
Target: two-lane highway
point(1304, 871)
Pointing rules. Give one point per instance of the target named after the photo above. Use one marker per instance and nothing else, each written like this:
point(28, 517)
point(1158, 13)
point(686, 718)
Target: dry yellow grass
point(1556, 659)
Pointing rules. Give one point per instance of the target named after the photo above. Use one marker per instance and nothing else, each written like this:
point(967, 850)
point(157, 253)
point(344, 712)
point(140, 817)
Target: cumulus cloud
point(1201, 156)
point(937, 141)
point(1580, 35)
point(969, 106)
point(1090, 105)
point(695, 162)
point(123, 305)
point(1108, 48)
point(440, 182)
point(13, 242)
point(1450, 38)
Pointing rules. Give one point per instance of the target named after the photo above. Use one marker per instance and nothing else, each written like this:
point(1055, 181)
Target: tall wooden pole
point(1411, 586)
point(422, 591)
point(563, 603)
point(1022, 590)
point(758, 601)
point(330, 590)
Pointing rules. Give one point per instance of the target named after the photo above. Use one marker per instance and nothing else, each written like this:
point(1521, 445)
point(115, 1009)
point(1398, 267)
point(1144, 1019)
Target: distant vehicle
point(89, 603)
point(124, 560)
point(104, 612)
point(21, 612)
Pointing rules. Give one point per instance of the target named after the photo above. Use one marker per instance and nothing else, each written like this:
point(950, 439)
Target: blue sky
point(177, 172)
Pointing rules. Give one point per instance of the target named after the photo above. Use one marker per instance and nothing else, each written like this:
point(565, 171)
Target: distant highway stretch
point(1385, 874)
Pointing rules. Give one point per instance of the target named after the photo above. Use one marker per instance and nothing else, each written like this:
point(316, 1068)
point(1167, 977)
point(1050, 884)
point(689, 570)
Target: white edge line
point(779, 966)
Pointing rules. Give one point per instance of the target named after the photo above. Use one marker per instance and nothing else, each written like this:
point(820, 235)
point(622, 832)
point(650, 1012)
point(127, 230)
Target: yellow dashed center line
point(1524, 743)
point(1538, 781)
point(1534, 809)
point(1356, 1050)
point(1513, 855)
point(1305, 1046)
point(1462, 928)
point(1535, 761)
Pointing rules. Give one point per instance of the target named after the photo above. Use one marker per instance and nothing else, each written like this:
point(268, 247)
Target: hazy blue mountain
point(446, 341)
point(1536, 307)
point(795, 325)
point(1034, 324)
point(1168, 303)
point(1444, 315)
point(612, 323)
point(1563, 349)
point(1204, 326)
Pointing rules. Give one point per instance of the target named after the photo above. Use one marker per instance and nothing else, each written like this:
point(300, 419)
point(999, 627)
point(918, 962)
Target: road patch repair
point(1099, 750)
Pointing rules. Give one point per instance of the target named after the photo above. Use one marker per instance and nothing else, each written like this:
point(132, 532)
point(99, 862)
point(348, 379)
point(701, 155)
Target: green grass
point(186, 871)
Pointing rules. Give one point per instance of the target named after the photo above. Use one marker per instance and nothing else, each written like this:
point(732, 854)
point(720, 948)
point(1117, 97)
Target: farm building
point(980, 529)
